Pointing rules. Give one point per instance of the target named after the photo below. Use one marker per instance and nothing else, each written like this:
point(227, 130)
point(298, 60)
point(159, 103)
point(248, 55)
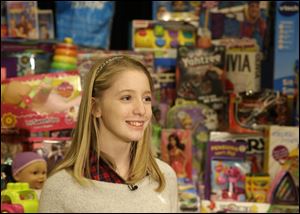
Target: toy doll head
point(31, 168)
point(15, 92)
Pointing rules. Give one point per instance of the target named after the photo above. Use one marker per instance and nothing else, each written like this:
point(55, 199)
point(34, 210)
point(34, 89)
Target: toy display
point(19, 198)
point(162, 35)
point(231, 138)
point(65, 56)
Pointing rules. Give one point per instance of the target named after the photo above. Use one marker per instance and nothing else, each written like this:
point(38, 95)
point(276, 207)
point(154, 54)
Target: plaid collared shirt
point(105, 172)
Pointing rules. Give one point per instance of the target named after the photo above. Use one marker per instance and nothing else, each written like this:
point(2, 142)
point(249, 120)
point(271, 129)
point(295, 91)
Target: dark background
point(126, 11)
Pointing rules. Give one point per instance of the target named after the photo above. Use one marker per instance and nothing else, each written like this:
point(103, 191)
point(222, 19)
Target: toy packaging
point(176, 11)
point(243, 64)
point(228, 180)
point(151, 35)
point(224, 151)
point(46, 24)
point(40, 103)
point(200, 76)
point(257, 188)
point(248, 111)
point(189, 200)
point(233, 207)
point(22, 19)
point(255, 147)
point(176, 149)
point(92, 31)
point(282, 164)
point(199, 119)
point(235, 19)
point(286, 46)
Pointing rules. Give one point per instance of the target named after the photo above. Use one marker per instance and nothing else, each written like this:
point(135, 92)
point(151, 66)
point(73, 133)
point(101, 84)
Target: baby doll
point(43, 98)
point(31, 168)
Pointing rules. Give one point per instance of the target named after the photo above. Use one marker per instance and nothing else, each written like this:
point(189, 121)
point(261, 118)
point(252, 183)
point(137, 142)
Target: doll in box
point(42, 98)
point(31, 168)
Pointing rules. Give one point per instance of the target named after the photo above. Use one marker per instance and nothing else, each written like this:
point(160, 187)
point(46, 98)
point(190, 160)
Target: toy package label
point(42, 102)
point(286, 46)
point(228, 180)
point(93, 30)
point(22, 19)
point(176, 149)
point(176, 10)
point(46, 24)
point(222, 150)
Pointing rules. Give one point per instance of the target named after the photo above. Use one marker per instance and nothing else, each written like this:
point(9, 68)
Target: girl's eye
point(35, 172)
point(126, 98)
point(148, 99)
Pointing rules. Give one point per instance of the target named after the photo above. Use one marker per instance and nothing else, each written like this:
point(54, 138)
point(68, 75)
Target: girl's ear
point(96, 111)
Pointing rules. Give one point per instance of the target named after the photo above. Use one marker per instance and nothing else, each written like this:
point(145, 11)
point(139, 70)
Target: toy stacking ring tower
point(65, 56)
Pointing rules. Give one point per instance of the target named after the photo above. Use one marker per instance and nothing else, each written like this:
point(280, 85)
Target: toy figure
point(177, 158)
point(31, 168)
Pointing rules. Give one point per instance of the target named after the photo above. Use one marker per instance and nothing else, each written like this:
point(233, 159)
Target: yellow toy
point(18, 197)
point(164, 37)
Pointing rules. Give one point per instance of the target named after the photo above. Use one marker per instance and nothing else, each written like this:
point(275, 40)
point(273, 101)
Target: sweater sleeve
point(172, 187)
point(174, 193)
point(51, 198)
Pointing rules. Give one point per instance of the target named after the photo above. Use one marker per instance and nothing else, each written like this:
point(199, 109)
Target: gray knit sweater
point(61, 193)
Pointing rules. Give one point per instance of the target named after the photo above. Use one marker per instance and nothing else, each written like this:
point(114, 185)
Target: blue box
point(286, 47)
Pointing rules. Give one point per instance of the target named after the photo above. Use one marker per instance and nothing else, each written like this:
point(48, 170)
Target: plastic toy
point(65, 56)
point(19, 198)
point(161, 35)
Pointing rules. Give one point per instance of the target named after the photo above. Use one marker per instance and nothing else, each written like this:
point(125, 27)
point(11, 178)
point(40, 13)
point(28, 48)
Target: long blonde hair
point(86, 134)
